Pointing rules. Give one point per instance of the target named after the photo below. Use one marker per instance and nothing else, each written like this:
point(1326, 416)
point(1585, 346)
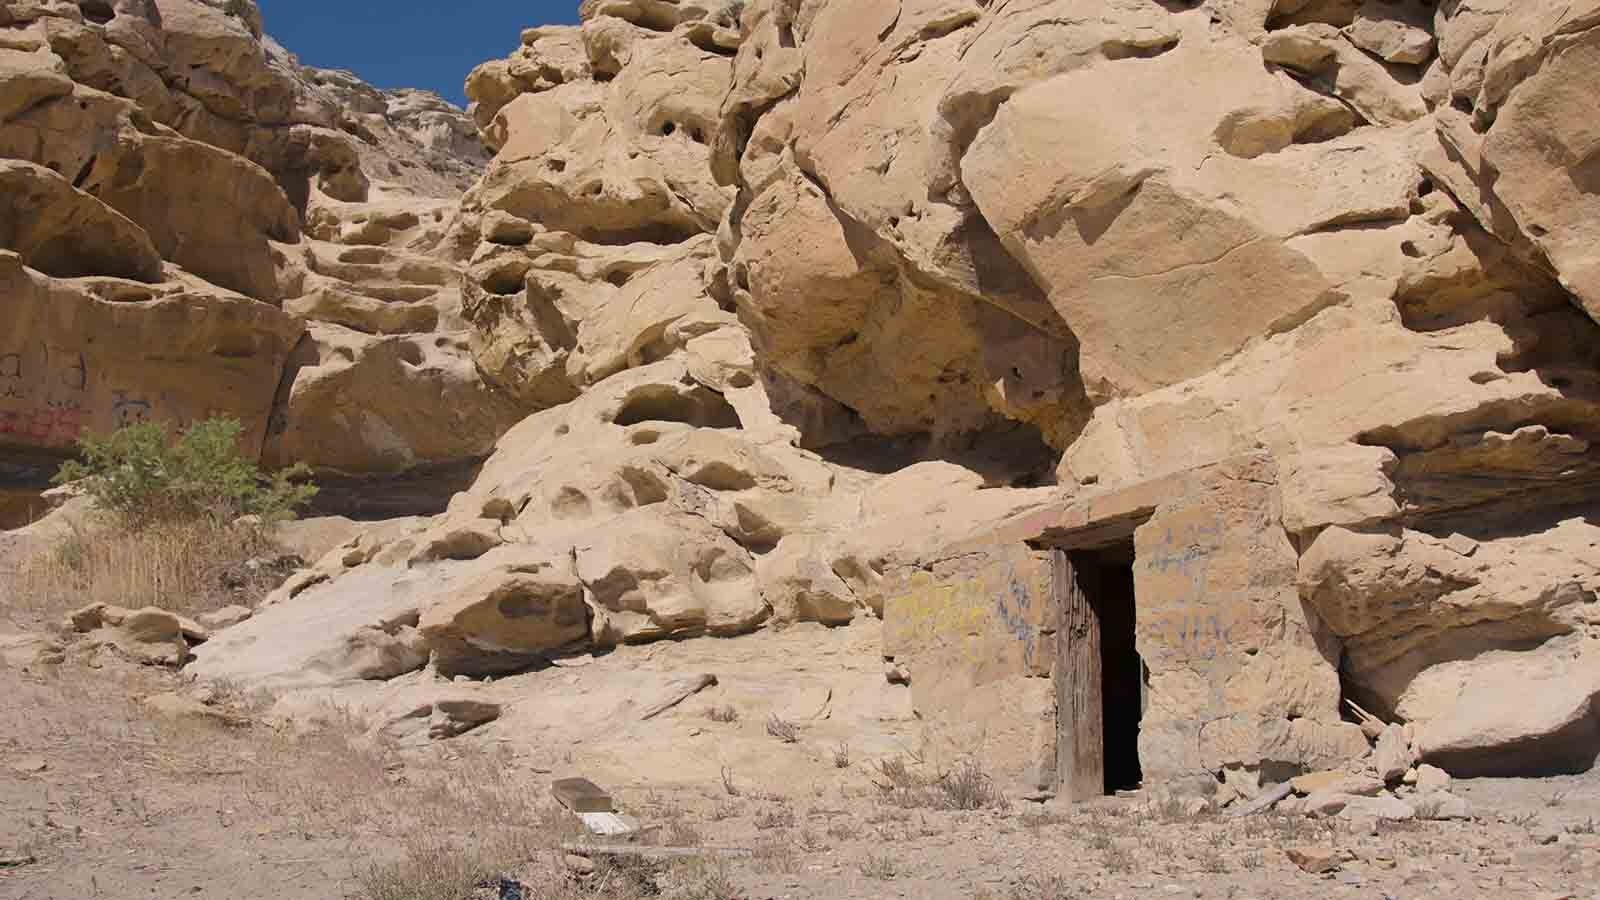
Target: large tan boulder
point(361, 405)
point(28, 78)
point(64, 232)
point(149, 636)
point(210, 211)
point(1517, 70)
point(507, 620)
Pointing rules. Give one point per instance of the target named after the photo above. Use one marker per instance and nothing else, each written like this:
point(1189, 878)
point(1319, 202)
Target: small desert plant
point(879, 865)
point(728, 784)
point(705, 881)
point(239, 9)
point(724, 714)
point(841, 756)
point(141, 477)
point(967, 786)
point(425, 872)
point(682, 834)
point(842, 830)
point(783, 730)
point(775, 817)
point(1049, 887)
point(1212, 861)
point(1119, 860)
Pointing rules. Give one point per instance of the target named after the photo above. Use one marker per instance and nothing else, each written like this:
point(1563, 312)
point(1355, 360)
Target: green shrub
point(140, 476)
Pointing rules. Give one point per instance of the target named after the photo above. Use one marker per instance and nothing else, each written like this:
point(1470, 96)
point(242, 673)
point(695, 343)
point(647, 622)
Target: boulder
point(507, 620)
point(1316, 860)
point(1392, 757)
point(64, 232)
point(367, 406)
point(149, 636)
point(1384, 807)
point(226, 617)
point(435, 715)
point(1432, 780)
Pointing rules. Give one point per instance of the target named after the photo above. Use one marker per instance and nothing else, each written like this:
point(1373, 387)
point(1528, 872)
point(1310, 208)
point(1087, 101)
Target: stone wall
point(975, 632)
point(1236, 675)
point(1240, 675)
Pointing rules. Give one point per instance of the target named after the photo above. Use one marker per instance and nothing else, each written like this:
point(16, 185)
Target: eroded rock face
point(175, 176)
point(783, 295)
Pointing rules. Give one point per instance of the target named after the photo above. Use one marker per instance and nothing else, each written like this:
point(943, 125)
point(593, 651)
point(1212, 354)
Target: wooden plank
point(634, 851)
point(1267, 800)
point(581, 796)
point(1080, 713)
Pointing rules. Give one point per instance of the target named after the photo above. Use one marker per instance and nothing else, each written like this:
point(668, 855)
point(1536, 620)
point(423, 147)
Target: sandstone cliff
point(789, 297)
point(194, 224)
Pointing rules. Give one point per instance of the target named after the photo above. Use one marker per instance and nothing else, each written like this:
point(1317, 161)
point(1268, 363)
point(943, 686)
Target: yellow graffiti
point(983, 616)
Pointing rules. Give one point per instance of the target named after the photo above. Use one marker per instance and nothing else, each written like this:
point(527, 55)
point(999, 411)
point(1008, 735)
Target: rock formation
point(787, 298)
point(194, 224)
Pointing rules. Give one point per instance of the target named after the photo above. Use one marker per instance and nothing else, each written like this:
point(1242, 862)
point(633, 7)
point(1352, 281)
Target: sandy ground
point(108, 801)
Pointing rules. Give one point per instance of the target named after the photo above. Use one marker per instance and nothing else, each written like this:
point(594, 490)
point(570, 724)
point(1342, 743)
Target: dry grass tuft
point(1047, 887)
point(967, 787)
point(880, 866)
point(779, 816)
point(723, 714)
point(427, 871)
point(783, 730)
point(187, 567)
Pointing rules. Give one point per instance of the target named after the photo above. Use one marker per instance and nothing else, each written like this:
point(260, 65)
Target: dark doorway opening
point(1100, 679)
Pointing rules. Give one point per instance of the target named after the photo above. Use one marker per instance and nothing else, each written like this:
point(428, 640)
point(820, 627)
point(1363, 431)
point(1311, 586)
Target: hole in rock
point(697, 406)
point(97, 11)
point(506, 282)
point(409, 352)
point(570, 503)
point(718, 475)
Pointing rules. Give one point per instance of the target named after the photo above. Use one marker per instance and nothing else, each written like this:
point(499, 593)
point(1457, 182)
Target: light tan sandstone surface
point(761, 308)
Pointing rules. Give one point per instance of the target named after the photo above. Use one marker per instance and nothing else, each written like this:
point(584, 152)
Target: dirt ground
point(101, 799)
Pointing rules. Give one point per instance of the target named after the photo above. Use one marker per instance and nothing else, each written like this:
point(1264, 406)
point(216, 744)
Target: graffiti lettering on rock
point(989, 617)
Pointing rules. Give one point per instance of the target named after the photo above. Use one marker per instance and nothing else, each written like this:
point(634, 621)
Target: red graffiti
point(48, 426)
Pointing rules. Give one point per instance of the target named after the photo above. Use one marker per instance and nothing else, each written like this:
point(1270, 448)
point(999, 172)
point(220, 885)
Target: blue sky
point(429, 44)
